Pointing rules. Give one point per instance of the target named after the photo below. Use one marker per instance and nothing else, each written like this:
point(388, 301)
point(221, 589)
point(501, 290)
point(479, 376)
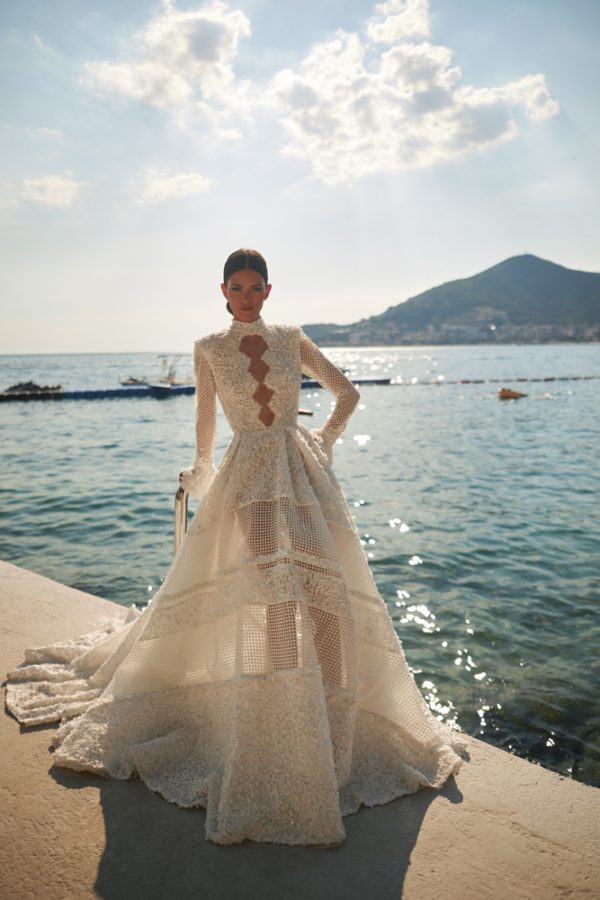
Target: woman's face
point(246, 292)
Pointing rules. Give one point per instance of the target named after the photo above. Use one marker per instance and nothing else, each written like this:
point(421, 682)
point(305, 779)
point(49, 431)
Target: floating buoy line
point(163, 391)
point(441, 379)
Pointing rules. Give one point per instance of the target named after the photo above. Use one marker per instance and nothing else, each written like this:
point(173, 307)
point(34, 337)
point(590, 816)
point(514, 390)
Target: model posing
point(265, 681)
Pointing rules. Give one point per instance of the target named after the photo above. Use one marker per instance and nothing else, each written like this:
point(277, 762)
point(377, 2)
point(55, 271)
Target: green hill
point(522, 298)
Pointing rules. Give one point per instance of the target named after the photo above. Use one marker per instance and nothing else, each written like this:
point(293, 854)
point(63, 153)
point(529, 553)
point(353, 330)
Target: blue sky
point(371, 151)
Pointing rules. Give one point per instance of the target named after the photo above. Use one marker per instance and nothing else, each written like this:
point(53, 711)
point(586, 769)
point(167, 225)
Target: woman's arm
point(316, 364)
point(197, 478)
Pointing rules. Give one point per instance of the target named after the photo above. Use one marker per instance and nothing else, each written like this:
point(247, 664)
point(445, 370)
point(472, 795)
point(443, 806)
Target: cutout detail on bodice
point(254, 346)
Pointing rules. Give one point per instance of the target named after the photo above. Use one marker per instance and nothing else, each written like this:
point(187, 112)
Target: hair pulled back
point(245, 258)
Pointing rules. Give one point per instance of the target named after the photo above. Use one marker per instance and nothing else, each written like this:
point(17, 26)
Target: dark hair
point(245, 259)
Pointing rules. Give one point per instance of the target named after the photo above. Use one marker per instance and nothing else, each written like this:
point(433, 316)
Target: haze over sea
point(480, 517)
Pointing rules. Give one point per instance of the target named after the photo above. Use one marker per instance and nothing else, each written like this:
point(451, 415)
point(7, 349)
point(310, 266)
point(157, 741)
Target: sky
point(370, 150)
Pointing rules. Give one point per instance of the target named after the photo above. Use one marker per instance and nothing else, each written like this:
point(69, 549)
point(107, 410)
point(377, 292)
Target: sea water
point(479, 517)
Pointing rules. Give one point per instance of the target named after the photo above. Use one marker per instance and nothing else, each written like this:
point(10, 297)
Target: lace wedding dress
point(265, 681)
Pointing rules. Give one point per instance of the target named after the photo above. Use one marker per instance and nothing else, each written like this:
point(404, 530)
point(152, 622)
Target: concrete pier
point(505, 829)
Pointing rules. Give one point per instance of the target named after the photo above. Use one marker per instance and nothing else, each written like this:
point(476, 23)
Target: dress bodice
point(256, 369)
point(257, 372)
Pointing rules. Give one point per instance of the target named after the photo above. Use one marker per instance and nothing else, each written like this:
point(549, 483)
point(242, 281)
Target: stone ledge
point(505, 829)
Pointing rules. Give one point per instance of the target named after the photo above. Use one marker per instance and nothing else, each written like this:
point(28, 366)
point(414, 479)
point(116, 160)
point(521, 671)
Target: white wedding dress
point(265, 681)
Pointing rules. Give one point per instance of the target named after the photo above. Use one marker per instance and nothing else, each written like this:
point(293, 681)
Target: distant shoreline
point(345, 346)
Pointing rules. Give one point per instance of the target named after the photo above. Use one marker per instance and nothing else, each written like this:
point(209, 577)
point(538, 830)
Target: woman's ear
point(267, 290)
point(224, 290)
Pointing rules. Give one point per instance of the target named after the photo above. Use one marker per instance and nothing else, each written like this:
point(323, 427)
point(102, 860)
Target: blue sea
point(480, 517)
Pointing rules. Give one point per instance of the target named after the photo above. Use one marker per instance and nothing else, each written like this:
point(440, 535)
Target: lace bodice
point(255, 369)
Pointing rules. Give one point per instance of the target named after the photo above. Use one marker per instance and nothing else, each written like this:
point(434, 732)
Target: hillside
point(523, 298)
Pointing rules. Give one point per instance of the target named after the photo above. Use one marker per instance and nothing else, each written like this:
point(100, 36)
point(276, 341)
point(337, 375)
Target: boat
point(132, 381)
point(29, 390)
point(169, 371)
point(30, 387)
point(167, 379)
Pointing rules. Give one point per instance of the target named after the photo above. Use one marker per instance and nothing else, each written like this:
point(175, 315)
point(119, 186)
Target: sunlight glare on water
point(478, 517)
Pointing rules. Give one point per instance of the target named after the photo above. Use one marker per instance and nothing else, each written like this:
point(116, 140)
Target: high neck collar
point(238, 327)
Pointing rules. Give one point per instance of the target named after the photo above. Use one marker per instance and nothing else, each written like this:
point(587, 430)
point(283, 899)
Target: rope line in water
point(164, 391)
point(442, 380)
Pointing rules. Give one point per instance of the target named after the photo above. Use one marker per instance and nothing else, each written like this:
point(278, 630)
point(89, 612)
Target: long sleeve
point(197, 478)
point(316, 364)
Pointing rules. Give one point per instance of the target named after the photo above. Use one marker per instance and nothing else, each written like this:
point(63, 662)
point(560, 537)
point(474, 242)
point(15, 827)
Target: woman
point(265, 681)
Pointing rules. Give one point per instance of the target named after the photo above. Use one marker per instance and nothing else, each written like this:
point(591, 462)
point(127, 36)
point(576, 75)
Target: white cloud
point(51, 190)
point(399, 19)
point(42, 46)
point(383, 100)
point(49, 132)
point(163, 184)
point(352, 109)
point(182, 61)
point(531, 92)
point(8, 195)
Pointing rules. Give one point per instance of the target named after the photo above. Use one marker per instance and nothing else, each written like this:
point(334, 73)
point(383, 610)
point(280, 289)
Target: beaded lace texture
point(265, 681)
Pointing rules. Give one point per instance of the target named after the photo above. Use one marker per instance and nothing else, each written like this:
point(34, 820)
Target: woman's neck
point(238, 325)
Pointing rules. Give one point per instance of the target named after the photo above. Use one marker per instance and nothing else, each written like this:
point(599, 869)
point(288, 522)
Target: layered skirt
point(265, 681)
